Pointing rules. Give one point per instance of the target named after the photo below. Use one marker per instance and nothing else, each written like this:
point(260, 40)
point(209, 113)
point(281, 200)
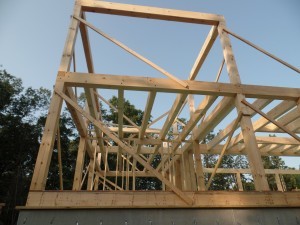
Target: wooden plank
point(210, 170)
point(120, 122)
point(277, 140)
point(127, 149)
point(42, 164)
point(272, 120)
point(260, 103)
point(149, 12)
point(116, 110)
point(60, 168)
point(208, 43)
point(139, 83)
point(239, 181)
point(263, 51)
point(275, 112)
point(156, 199)
point(218, 113)
point(271, 128)
point(39, 177)
point(239, 117)
point(132, 52)
point(196, 150)
point(147, 113)
point(254, 156)
point(79, 164)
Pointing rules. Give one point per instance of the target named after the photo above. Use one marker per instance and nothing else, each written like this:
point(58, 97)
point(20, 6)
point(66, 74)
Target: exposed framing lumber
point(254, 157)
point(263, 51)
point(126, 148)
point(179, 166)
point(239, 117)
point(149, 12)
point(132, 52)
point(138, 83)
point(272, 120)
point(131, 199)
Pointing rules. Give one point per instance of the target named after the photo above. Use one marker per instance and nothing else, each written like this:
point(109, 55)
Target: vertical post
point(192, 171)
point(178, 174)
point(239, 182)
point(41, 169)
point(196, 150)
point(79, 164)
point(61, 183)
point(278, 182)
point(42, 164)
point(251, 147)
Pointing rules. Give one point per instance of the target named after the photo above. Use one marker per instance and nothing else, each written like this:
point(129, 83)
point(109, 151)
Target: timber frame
point(180, 168)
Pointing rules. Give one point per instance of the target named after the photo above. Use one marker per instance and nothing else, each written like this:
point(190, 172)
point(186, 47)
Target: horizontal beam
point(158, 199)
point(149, 12)
point(205, 170)
point(139, 83)
point(204, 149)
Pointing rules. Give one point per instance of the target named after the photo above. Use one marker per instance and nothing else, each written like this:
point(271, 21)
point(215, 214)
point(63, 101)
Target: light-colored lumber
point(260, 103)
point(139, 83)
point(132, 52)
point(263, 51)
point(79, 164)
point(155, 199)
point(60, 167)
point(239, 117)
point(272, 120)
point(208, 43)
point(254, 157)
point(127, 148)
point(149, 12)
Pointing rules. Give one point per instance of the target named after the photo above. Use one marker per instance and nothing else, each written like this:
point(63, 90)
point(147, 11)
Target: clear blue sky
point(33, 32)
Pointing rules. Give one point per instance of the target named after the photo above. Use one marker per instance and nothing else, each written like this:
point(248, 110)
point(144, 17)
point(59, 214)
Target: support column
point(42, 164)
point(239, 182)
point(79, 164)
point(254, 156)
point(278, 182)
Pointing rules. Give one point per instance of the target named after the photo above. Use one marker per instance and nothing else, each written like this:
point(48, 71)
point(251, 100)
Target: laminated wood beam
point(139, 83)
point(127, 149)
point(149, 12)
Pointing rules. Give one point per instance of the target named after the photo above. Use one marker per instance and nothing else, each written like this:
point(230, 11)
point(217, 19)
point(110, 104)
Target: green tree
point(19, 140)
